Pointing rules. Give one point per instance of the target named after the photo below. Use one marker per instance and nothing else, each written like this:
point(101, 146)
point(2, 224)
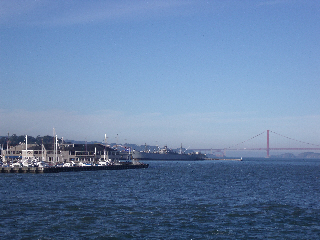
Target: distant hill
point(284, 155)
point(309, 155)
point(301, 155)
point(14, 140)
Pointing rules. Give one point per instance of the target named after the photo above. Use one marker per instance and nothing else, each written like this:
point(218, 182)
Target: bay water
point(249, 199)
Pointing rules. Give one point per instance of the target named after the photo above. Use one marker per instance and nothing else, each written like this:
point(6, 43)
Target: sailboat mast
point(26, 146)
point(105, 146)
point(54, 145)
point(56, 157)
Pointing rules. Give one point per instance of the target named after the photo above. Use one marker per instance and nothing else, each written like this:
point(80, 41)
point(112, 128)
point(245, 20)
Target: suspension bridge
point(267, 148)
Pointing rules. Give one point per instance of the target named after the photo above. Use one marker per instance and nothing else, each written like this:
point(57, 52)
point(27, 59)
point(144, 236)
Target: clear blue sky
point(201, 73)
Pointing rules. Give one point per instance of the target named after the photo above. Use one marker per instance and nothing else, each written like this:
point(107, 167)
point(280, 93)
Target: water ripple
point(179, 200)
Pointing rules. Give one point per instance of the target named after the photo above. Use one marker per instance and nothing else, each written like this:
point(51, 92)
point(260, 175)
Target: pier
point(225, 159)
point(70, 169)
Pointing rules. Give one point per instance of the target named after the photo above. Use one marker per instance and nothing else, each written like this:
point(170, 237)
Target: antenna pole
point(268, 146)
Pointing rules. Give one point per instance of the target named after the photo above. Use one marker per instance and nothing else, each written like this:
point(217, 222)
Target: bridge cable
point(246, 140)
point(295, 139)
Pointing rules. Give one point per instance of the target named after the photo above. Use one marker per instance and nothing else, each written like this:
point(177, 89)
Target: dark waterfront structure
point(120, 166)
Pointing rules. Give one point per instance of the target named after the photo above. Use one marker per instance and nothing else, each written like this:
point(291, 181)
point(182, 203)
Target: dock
point(225, 159)
point(70, 169)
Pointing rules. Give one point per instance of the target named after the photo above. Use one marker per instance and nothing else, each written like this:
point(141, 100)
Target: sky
point(207, 74)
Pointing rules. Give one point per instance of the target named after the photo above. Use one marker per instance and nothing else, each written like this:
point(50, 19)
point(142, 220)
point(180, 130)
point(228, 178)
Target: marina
point(64, 157)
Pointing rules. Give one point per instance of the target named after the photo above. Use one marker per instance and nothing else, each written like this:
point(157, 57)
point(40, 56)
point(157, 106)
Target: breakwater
point(70, 169)
point(225, 159)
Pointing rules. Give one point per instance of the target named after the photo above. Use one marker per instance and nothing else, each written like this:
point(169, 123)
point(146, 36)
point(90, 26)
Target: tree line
point(14, 140)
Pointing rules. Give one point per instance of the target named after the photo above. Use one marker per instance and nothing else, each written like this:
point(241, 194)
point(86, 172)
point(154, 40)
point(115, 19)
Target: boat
point(167, 155)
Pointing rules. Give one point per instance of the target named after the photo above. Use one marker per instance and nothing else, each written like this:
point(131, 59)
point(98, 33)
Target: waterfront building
point(60, 153)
